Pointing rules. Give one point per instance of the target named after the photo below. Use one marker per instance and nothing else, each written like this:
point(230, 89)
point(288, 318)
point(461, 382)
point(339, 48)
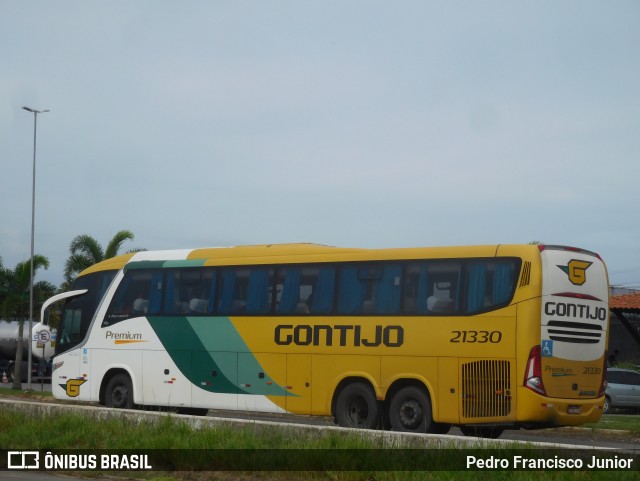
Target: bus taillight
point(533, 372)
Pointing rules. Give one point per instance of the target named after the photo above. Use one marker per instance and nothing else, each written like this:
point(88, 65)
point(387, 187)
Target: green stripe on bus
point(144, 265)
point(207, 352)
point(185, 263)
point(164, 264)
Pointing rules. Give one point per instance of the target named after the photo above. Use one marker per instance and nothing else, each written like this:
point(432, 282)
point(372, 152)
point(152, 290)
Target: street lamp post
point(33, 221)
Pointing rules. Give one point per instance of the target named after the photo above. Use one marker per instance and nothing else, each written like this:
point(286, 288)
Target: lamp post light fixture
point(33, 218)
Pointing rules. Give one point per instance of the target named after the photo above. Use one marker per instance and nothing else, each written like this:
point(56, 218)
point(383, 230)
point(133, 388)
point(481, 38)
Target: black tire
point(357, 406)
point(607, 405)
point(119, 392)
point(410, 410)
point(488, 432)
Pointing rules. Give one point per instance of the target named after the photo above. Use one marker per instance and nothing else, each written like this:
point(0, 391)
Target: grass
point(22, 430)
point(33, 394)
point(622, 422)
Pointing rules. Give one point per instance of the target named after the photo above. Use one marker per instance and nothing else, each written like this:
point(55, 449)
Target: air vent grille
point(526, 274)
point(486, 389)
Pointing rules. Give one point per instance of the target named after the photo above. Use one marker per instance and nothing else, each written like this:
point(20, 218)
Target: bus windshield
point(78, 312)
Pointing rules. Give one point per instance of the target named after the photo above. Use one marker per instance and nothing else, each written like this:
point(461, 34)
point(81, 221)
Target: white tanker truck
point(42, 347)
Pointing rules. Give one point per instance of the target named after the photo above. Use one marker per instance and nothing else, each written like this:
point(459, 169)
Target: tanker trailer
point(42, 350)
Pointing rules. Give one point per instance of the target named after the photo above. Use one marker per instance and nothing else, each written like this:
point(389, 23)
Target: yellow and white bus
point(412, 339)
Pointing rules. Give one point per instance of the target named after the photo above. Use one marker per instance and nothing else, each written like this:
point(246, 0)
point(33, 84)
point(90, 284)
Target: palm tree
point(87, 251)
point(15, 286)
point(15, 299)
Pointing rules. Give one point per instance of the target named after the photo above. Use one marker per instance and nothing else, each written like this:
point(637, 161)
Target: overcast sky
point(349, 123)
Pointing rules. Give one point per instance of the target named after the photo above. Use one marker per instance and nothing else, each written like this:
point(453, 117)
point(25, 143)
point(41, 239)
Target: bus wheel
point(119, 392)
point(607, 405)
point(357, 407)
point(410, 410)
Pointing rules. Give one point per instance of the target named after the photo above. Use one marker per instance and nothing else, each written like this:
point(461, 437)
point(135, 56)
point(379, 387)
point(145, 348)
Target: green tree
point(86, 251)
point(16, 297)
point(15, 288)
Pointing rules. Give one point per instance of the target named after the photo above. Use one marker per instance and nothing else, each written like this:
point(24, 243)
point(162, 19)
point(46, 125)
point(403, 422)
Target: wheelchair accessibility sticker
point(547, 348)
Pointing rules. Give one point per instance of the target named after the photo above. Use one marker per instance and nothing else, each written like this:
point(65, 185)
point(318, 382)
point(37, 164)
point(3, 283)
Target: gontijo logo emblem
point(72, 387)
point(576, 270)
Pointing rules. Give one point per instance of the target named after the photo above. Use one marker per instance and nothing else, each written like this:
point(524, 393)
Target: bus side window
point(444, 287)
point(415, 289)
point(432, 288)
point(323, 285)
point(232, 291)
point(305, 290)
point(259, 291)
point(477, 291)
point(442, 300)
point(190, 291)
point(289, 291)
point(369, 289)
point(489, 284)
point(139, 294)
point(246, 291)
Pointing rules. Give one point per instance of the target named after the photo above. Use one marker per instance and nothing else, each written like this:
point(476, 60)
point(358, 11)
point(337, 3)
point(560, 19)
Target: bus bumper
point(541, 411)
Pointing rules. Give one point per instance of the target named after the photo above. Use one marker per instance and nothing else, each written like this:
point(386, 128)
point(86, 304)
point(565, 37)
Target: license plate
point(573, 410)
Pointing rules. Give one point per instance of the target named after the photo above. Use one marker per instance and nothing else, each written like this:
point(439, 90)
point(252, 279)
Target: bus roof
point(292, 253)
point(115, 263)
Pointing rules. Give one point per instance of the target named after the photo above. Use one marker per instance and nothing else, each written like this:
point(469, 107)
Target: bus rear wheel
point(119, 392)
point(410, 410)
point(357, 406)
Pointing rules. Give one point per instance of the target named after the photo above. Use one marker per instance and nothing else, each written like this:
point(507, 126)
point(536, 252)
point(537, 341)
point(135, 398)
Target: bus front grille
point(486, 389)
point(574, 332)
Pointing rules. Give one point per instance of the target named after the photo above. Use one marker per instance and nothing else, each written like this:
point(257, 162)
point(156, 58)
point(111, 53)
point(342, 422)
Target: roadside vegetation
point(618, 422)
point(21, 430)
